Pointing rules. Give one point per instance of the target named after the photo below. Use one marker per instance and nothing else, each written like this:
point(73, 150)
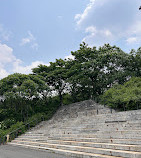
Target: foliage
point(67, 99)
point(33, 120)
point(92, 72)
point(19, 91)
point(13, 128)
point(54, 75)
point(7, 123)
point(95, 70)
point(124, 97)
point(3, 114)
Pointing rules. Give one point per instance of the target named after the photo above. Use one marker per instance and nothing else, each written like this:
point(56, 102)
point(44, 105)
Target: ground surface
point(8, 151)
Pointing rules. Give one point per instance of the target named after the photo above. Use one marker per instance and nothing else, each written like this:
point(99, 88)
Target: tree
point(124, 97)
point(55, 76)
point(10, 89)
point(134, 63)
point(95, 70)
point(19, 90)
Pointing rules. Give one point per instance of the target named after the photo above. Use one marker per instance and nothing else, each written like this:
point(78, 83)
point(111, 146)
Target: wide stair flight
point(87, 130)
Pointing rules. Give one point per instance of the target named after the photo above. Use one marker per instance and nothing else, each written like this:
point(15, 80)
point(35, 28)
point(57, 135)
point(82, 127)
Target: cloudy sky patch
point(113, 20)
point(30, 40)
point(48, 31)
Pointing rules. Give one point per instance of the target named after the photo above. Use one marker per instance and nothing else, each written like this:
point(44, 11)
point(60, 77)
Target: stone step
point(88, 144)
point(95, 134)
point(99, 134)
point(118, 135)
point(101, 127)
point(86, 122)
point(84, 139)
point(71, 135)
point(94, 112)
point(99, 140)
point(106, 128)
point(93, 129)
point(95, 122)
point(115, 133)
point(57, 136)
point(32, 136)
point(110, 152)
point(67, 152)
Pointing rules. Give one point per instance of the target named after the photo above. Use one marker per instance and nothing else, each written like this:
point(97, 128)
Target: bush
point(7, 123)
point(124, 97)
point(34, 119)
point(67, 99)
point(21, 129)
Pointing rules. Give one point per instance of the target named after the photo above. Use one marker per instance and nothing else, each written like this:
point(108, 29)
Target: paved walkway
point(8, 151)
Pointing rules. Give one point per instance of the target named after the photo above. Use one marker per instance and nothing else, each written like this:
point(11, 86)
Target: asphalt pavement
point(9, 151)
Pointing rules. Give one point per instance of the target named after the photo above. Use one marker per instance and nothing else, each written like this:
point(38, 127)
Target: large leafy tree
point(115, 63)
point(55, 76)
point(23, 85)
point(94, 70)
point(19, 89)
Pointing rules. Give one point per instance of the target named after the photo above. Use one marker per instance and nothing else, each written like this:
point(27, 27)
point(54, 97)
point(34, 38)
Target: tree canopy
point(126, 97)
point(93, 73)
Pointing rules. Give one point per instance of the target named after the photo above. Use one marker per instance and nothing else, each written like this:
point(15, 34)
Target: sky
point(34, 32)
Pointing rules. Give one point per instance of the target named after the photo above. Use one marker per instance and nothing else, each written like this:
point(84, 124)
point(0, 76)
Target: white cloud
point(136, 28)
point(3, 73)
point(110, 21)
point(131, 40)
point(91, 29)
point(69, 57)
point(107, 33)
point(35, 46)
point(25, 41)
point(31, 40)
point(4, 34)
point(6, 55)
point(134, 33)
point(26, 69)
point(10, 64)
point(97, 37)
point(84, 15)
point(77, 17)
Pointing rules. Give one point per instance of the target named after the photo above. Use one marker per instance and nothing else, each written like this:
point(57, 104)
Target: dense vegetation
point(124, 97)
point(92, 74)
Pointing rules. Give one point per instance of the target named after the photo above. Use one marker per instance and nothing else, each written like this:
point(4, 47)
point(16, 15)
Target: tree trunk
point(61, 98)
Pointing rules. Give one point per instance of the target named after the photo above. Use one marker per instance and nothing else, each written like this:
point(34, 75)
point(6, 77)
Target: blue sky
point(34, 32)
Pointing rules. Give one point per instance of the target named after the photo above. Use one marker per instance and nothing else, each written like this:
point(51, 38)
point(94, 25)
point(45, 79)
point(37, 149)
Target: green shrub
point(2, 133)
point(16, 126)
point(124, 97)
point(16, 129)
point(67, 99)
point(7, 123)
point(33, 120)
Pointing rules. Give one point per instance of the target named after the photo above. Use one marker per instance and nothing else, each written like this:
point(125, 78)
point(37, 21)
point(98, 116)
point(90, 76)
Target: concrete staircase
point(87, 130)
